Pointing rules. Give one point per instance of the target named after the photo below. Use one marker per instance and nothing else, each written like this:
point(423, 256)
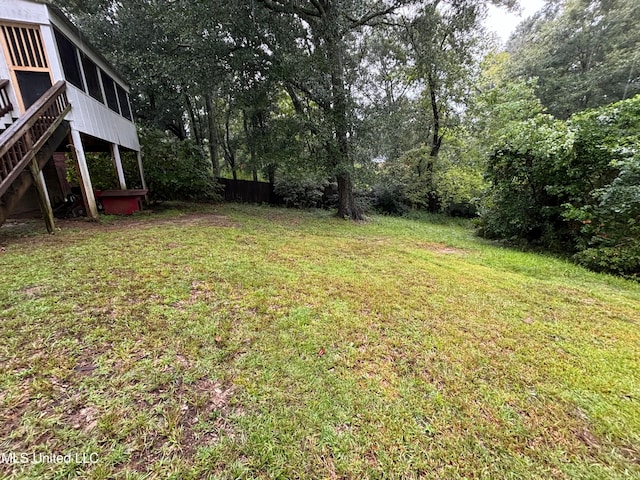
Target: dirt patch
point(150, 220)
point(33, 231)
point(200, 291)
point(441, 249)
point(86, 419)
point(217, 395)
point(201, 416)
point(35, 291)
point(449, 251)
point(631, 453)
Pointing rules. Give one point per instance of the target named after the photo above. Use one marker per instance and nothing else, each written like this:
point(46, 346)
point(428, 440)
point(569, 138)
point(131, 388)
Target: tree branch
point(355, 23)
point(289, 7)
point(319, 6)
point(326, 106)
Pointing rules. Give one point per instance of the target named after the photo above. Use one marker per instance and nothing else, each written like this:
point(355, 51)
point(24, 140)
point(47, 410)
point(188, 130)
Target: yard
point(252, 342)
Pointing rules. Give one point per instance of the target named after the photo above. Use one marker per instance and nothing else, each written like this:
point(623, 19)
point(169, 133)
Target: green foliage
point(584, 53)
point(449, 182)
point(417, 170)
point(389, 197)
point(608, 140)
point(520, 203)
point(498, 101)
point(301, 192)
point(176, 169)
point(103, 172)
point(572, 186)
point(623, 260)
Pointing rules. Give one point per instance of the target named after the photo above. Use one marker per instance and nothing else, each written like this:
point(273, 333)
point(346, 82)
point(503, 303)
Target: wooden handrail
point(5, 103)
point(22, 140)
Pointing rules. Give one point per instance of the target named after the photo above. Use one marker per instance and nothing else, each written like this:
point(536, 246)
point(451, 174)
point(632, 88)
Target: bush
point(623, 260)
point(447, 183)
point(176, 169)
point(571, 185)
point(389, 198)
point(303, 192)
point(609, 216)
point(523, 201)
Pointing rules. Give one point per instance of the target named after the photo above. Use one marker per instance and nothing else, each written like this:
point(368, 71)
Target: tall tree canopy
point(215, 71)
point(329, 37)
point(584, 53)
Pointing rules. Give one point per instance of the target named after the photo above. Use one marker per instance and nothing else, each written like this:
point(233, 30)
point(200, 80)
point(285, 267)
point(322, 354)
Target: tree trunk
point(192, 120)
point(271, 170)
point(342, 161)
point(213, 138)
point(347, 207)
point(229, 149)
point(436, 143)
point(250, 141)
point(436, 140)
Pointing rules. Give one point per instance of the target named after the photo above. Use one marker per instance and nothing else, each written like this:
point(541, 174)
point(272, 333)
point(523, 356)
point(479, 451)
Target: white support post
point(117, 162)
point(140, 169)
point(77, 151)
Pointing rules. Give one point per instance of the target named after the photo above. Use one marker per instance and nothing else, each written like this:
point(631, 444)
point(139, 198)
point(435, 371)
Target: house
point(57, 94)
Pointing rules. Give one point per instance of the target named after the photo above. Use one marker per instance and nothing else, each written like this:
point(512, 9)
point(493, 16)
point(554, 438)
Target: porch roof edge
point(62, 17)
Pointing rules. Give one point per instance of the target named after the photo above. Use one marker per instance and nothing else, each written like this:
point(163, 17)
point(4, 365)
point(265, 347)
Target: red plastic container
point(121, 202)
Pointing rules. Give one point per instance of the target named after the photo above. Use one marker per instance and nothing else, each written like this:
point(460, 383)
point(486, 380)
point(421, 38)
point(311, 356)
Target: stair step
point(4, 124)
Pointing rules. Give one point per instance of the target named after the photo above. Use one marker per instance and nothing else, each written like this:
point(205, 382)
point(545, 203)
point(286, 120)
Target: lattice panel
point(24, 47)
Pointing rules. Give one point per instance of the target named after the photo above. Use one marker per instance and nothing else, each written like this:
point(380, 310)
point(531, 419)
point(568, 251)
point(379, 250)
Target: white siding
point(52, 53)
point(92, 117)
point(22, 11)
point(87, 114)
point(4, 74)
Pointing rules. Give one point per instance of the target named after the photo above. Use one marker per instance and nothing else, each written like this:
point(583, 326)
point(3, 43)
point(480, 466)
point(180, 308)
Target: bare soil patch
point(441, 249)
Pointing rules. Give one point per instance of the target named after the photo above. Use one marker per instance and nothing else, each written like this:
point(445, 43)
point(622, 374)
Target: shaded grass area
point(250, 342)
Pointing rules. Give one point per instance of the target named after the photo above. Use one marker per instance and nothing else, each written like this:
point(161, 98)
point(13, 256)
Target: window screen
point(24, 46)
point(91, 76)
point(32, 85)
point(110, 92)
point(69, 59)
point(124, 103)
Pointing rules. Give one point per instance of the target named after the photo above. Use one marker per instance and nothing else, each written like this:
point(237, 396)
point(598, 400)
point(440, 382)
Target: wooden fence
point(247, 191)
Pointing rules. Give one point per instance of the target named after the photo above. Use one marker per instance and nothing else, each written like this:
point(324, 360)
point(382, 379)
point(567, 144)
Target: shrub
point(301, 192)
point(608, 139)
point(523, 202)
point(176, 169)
point(449, 183)
point(571, 185)
point(623, 260)
point(389, 198)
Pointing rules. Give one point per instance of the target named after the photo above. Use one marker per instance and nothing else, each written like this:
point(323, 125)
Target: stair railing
point(20, 143)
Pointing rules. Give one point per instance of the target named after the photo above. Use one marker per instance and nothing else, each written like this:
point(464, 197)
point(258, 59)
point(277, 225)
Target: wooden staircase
point(26, 146)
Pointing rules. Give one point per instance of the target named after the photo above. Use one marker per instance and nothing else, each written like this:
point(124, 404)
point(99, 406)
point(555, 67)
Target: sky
point(503, 22)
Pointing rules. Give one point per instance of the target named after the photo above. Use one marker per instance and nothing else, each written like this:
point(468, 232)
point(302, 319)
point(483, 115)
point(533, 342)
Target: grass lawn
point(249, 342)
